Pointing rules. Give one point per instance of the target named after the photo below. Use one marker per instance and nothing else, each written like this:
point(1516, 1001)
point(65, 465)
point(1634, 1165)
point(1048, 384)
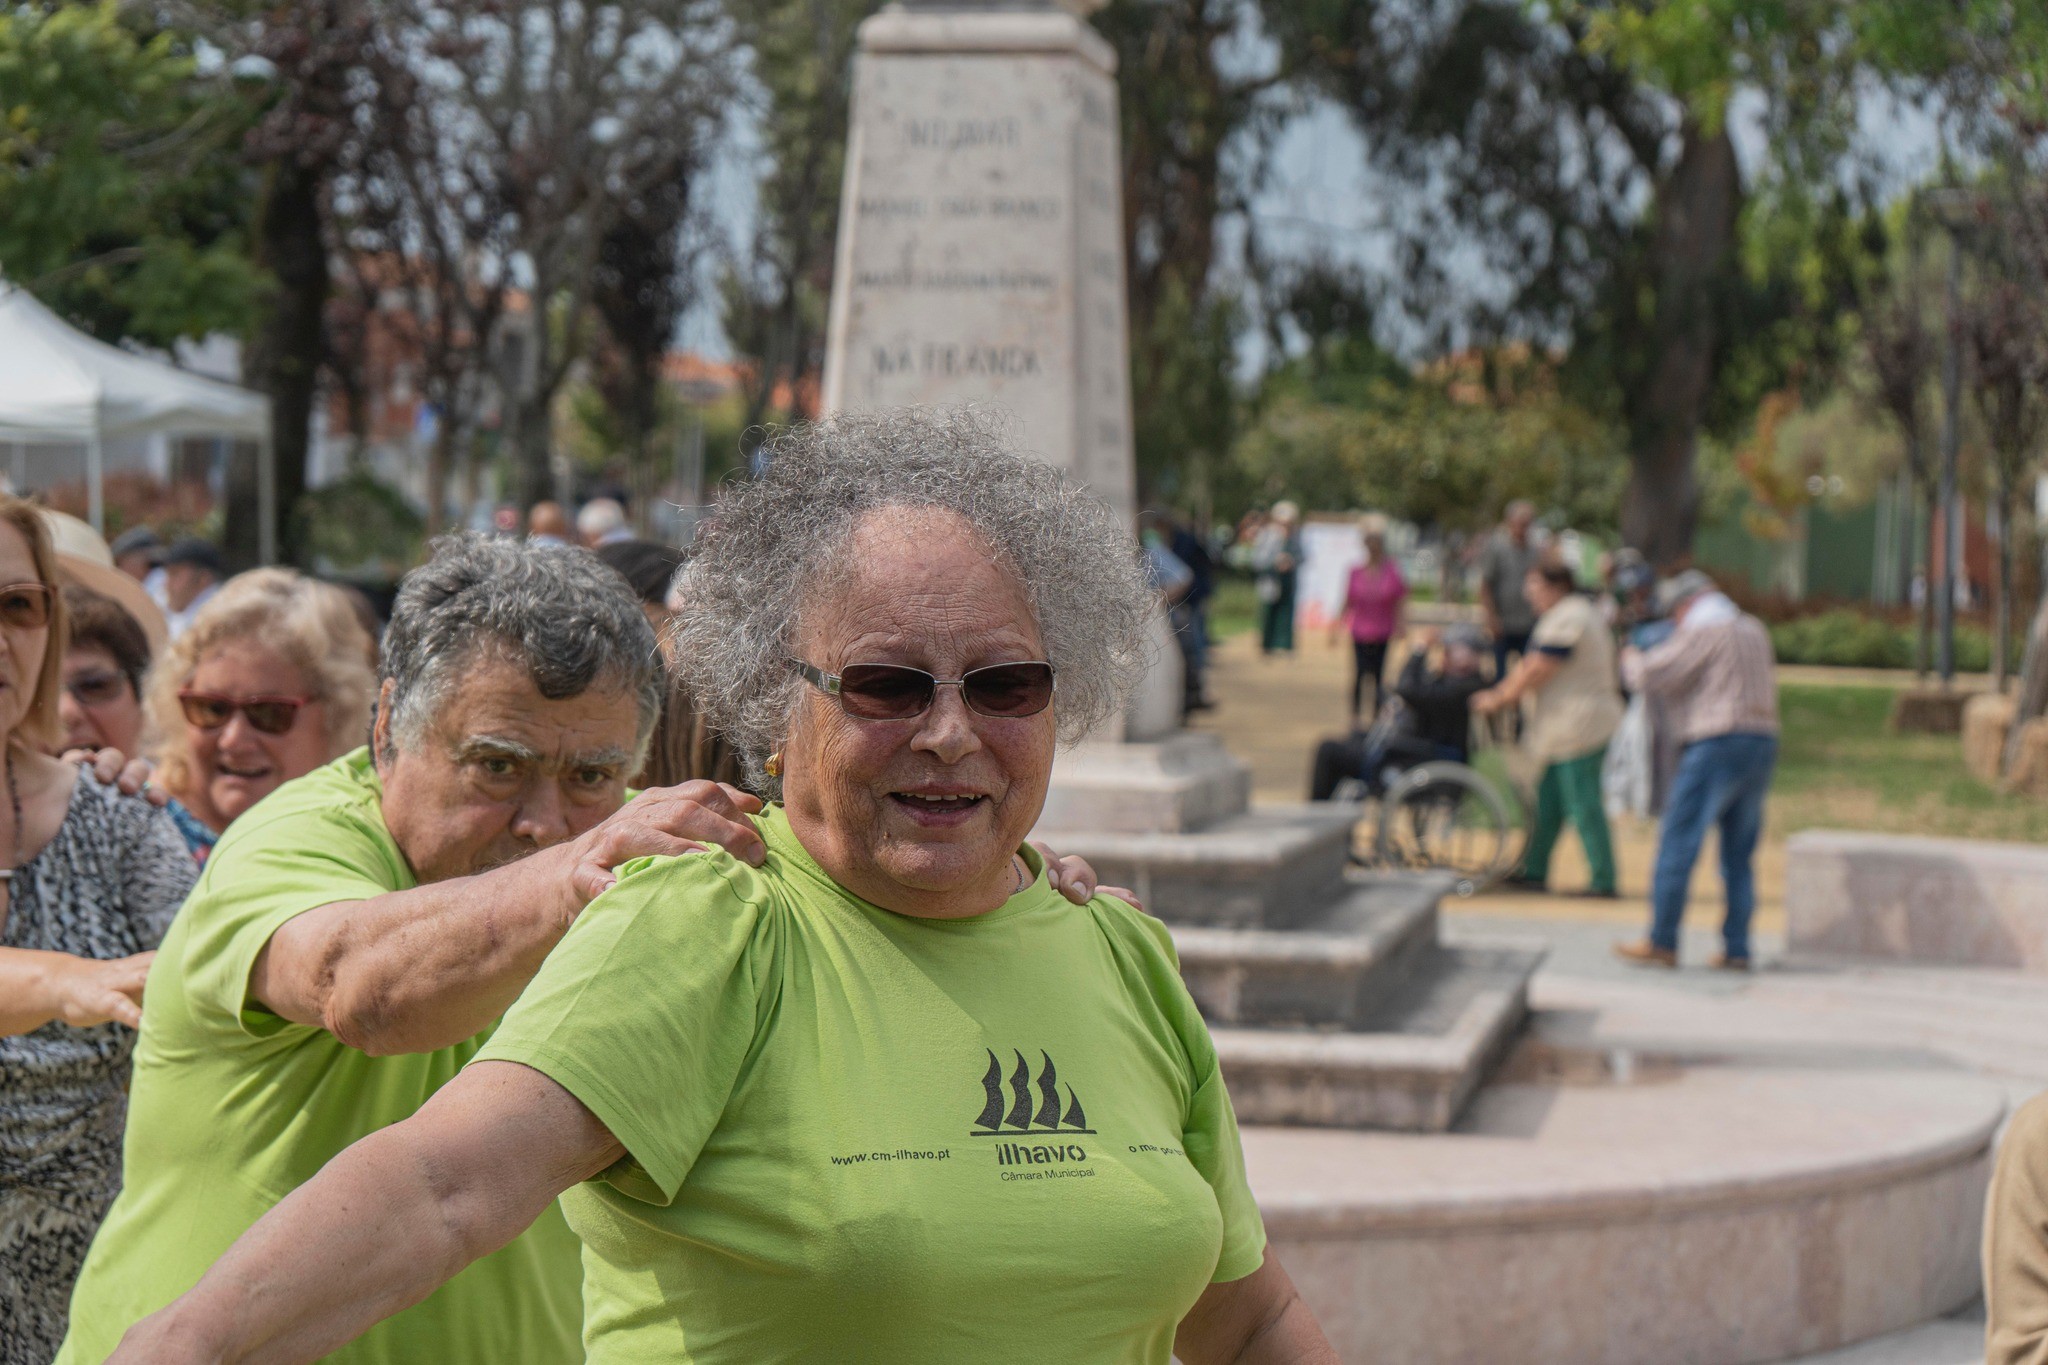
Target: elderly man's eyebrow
point(613, 757)
point(496, 746)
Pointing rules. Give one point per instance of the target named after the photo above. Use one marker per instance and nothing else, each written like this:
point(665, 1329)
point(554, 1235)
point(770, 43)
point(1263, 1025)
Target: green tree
point(121, 203)
point(1581, 151)
point(1194, 123)
point(1447, 449)
point(776, 294)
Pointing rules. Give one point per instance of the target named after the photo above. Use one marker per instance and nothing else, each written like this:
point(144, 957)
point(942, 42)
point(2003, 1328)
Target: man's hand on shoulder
point(662, 821)
point(1074, 877)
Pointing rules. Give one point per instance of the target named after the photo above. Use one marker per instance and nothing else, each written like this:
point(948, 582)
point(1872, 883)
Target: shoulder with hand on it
point(689, 897)
point(710, 869)
point(1128, 924)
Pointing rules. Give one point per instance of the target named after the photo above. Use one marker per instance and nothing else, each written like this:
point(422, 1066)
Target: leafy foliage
point(1447, 450)
point(359, 525)
point(775, 294)
point(122, 203)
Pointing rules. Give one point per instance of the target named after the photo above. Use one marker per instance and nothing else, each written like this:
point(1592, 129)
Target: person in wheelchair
point(1431, 723)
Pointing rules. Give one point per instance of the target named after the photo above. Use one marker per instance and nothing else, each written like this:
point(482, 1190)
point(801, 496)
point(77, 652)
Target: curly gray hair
point(764, 558)
point(565, 616)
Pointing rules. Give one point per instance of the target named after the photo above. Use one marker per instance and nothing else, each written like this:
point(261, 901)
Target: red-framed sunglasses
point(270, 715)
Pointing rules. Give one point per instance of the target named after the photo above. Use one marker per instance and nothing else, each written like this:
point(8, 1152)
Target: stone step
point(1330, 972)
point(1272, 866)
point(1410, 1064)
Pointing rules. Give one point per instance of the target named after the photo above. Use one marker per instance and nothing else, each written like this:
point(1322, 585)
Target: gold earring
point(773, 767)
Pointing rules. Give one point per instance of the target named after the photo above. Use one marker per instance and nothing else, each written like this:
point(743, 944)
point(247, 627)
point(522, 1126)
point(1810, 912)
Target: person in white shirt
point(193, 570)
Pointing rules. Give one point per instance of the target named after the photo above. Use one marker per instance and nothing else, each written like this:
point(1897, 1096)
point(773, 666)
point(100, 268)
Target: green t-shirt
point(233, 1108)
point(860, 1136)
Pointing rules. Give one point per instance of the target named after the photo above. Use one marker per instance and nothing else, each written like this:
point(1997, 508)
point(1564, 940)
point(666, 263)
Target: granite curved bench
point(1904, 898)
point(1699, 1214)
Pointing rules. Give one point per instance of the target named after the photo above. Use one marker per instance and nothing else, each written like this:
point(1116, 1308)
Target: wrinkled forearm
point(1670, 667)
point(417, 970)
point(1530, 675)
point(372, 1234)
point(28, 990)
point(1292, 1338)
point(1258, 1320)
point(384, 1224)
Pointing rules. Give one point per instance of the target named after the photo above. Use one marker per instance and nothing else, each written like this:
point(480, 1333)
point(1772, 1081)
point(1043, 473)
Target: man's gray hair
point(559, 612)
point(768, 557)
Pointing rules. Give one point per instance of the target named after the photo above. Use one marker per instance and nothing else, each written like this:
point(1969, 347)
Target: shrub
point(1842, 639)
point(1849, 639)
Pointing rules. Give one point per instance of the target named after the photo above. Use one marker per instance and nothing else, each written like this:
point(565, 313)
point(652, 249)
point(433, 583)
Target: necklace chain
point(14, 800)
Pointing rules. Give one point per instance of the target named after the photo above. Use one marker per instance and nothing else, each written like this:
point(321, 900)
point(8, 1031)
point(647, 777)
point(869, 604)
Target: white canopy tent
point(59, 385)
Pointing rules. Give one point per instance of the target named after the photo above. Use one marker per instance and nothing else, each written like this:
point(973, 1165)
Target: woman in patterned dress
point(91, 881)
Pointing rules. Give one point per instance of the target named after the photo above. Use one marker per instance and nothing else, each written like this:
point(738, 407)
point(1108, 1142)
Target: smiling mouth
point(934, 808)
point(246, 775)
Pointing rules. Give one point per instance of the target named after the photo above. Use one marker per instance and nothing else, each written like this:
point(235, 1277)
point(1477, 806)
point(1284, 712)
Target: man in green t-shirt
point(357, 934)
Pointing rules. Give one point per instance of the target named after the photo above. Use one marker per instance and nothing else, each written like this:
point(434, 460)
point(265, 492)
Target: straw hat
point(83, 558)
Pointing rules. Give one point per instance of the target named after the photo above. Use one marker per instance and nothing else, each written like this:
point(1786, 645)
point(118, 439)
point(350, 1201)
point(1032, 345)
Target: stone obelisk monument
point(980, 260)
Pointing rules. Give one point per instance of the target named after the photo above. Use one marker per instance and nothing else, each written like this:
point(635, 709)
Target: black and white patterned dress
point(105, 886)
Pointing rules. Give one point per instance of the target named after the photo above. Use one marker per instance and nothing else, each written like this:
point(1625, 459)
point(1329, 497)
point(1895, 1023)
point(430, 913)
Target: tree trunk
point(1908, 495)
point(283, 358)
point(1923, 645)
point(1691, 258)
point(532, 478)
point(2001, 612)
point(2033, 692)
point(440, 461)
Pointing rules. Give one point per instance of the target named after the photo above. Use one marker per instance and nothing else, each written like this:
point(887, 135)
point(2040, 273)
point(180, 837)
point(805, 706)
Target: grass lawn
point(1841, 768)
point(1235, 607)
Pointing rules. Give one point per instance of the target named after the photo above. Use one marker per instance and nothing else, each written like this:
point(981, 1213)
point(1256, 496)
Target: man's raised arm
point(426, 968)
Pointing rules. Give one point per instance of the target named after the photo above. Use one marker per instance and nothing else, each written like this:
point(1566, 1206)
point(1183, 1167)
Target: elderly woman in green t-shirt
point(885, 1097)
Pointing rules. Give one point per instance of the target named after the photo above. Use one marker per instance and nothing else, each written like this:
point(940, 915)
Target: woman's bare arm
point(384, 1224)
point(37, 987)
point(1258, 1320)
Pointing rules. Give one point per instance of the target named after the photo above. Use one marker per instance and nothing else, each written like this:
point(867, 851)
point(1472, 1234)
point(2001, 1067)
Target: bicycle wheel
point(1444, 817)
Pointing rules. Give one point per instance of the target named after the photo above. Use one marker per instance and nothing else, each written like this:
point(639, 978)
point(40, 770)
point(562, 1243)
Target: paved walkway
point(1273, 711)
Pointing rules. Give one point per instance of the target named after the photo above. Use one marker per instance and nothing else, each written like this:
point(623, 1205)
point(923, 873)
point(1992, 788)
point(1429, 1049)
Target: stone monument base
point(1173, 785)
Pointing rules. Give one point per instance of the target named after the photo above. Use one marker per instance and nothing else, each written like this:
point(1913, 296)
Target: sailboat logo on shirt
point(1029, 1107)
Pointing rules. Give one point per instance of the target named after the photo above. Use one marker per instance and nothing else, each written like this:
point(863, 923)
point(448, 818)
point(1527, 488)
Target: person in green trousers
point(1276, 559)
point(1570, 674)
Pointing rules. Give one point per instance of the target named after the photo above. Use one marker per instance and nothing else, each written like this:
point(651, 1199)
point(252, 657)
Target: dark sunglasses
point(270, 715)
point(97, 689)
point(25, 606)
point(892, 692)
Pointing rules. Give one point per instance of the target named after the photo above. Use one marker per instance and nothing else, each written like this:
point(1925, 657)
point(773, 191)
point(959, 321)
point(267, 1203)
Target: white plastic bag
point(1625, 777)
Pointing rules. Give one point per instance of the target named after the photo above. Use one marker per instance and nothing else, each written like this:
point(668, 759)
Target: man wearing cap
point(137, 552)
point(1717, 678)
point(193, 570)
point(1438, 720)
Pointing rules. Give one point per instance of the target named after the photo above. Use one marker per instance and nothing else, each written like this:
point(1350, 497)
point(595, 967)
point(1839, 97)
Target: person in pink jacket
point(1372, 608)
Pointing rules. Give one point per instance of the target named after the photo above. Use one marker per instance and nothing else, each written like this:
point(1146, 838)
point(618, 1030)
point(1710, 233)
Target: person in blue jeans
point(1717, 678)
